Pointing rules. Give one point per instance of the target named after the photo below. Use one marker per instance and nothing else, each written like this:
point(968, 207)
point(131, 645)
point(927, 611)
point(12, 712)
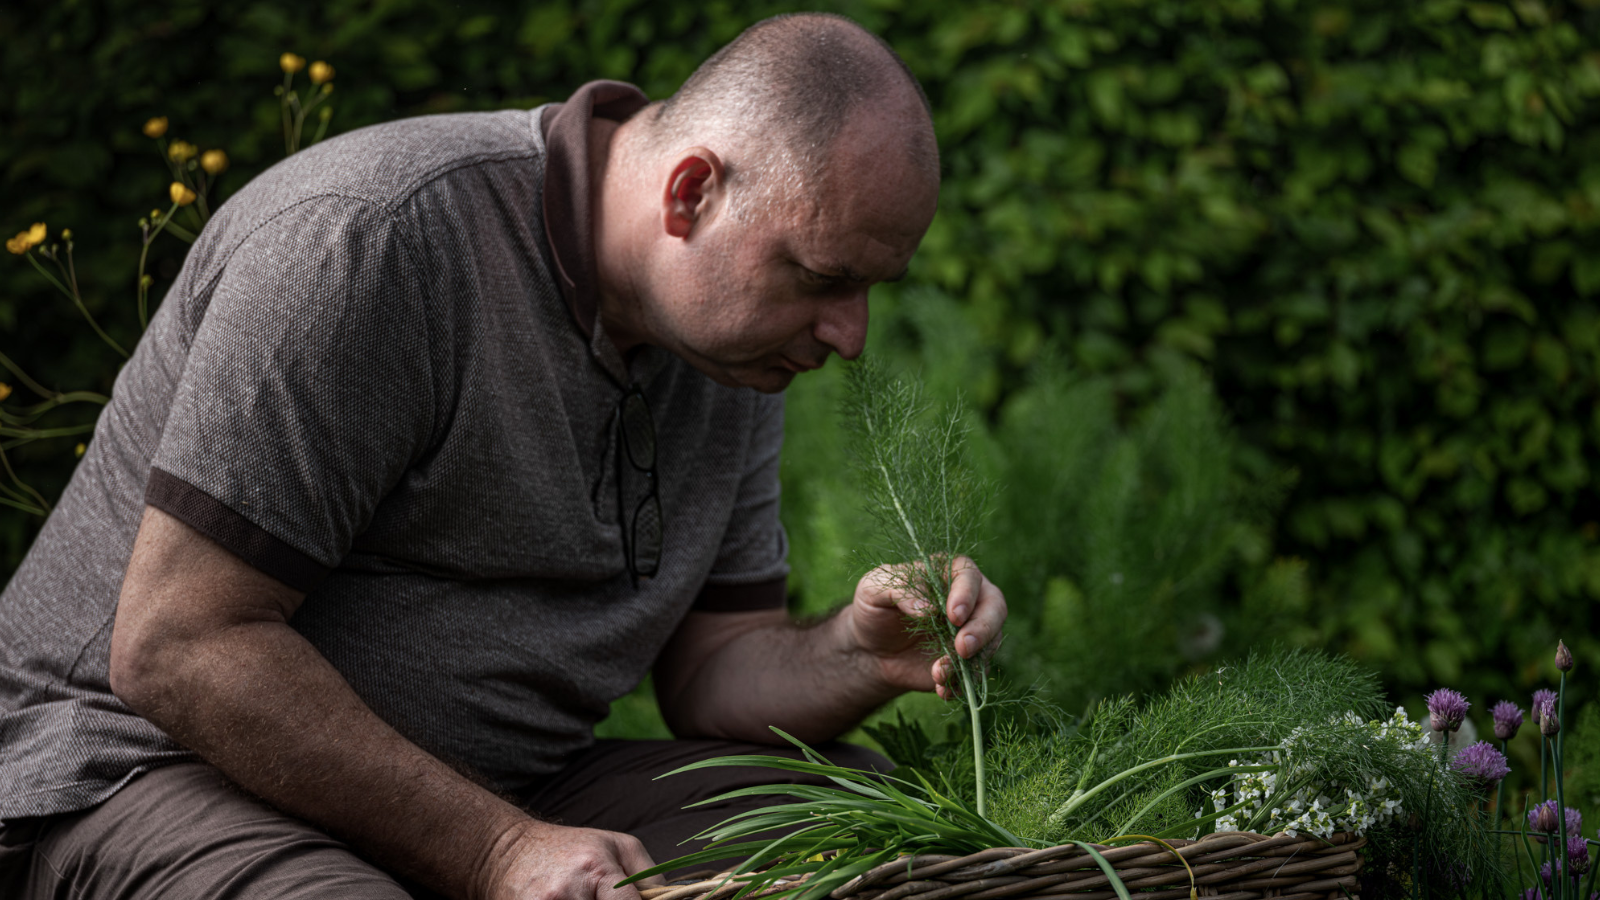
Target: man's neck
point(612, 263)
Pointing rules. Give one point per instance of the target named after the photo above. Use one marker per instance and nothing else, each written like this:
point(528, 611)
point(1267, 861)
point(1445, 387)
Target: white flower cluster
point(1315, 809)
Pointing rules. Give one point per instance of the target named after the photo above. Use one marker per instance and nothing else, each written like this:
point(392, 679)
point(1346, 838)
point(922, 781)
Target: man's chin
point(766, 379)
point(771, 380)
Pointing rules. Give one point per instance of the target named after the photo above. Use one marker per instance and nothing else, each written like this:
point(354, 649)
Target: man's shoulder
point(448, 165)
point(389, 162)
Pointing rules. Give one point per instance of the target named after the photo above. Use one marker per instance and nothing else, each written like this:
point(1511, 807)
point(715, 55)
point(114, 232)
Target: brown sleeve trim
point(719, 598)
point(238, 535)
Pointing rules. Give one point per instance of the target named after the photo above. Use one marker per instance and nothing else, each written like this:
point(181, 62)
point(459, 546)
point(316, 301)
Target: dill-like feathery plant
point(928, 503)
point(1144, 768)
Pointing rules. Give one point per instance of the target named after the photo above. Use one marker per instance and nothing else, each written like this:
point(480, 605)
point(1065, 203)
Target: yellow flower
point(156, 127)
point(215, 162)
point(79, 450)
point(290, 63)
point(182, 151)
point(27, 240)
point(321, 72)
point(66, 235)
point(146, 280)
point(5, 390)
point(181, 194)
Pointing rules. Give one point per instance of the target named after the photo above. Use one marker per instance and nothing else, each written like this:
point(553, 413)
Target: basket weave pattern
point(1226, 866)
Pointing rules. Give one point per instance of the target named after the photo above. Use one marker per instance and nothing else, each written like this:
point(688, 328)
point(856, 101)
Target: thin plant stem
point(283, 112)
point(180, 232)
point(13, 493)
point(144, 292)
point(78, 302)
point(32, 385)
point(1588, 889)
point(962, 667)
point(202, 184)
point(1077, 799)
point(22, 506)
point(39, 434)
point(26, 488)
point(1544, 773)
point(322, 128)
point(1499, 791)
point(1557, 762)
point(51, 278)
point(72, 271)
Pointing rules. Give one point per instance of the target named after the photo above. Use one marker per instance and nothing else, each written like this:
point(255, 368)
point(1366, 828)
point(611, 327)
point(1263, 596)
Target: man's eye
point(821, 281)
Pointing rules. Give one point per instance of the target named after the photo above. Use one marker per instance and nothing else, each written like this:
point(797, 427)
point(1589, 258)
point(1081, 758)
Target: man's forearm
point(813, 682)
point(202, 647)
point(734, 675)
point(257, 701)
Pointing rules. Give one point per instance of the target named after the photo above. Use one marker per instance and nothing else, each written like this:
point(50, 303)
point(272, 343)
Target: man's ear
point(696, 179)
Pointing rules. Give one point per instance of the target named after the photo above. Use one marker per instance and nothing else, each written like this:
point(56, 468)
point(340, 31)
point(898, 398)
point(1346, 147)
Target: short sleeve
point(752, 567)
point(306, 393)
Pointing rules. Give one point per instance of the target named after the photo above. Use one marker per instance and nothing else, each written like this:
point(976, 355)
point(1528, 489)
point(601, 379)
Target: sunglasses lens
point(647, 536)
point(638, 432)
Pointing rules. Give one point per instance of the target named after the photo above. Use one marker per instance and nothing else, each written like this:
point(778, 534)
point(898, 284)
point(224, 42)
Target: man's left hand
point(878, 627)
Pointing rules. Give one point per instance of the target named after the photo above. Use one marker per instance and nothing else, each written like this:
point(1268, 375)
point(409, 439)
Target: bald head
point(781, 95)
point(742, 222)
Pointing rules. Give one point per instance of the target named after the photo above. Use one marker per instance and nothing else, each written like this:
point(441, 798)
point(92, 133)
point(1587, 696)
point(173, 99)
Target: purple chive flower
point(1481, 763)
point(1446, 710)
point(1507, 720)
point(1542, 818)
point(1532, 893)
point(1549, 722)
point(1544, 872)
point(1578, 855)
point(1539, 697)
point(1563, 657)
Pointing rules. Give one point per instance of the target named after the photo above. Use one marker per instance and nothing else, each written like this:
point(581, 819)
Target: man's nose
point(842, 324)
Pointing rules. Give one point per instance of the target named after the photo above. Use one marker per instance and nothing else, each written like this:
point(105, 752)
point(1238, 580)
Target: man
point(442, 438)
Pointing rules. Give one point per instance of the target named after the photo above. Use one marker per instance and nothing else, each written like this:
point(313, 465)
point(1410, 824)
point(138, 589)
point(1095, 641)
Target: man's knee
point(186, 831)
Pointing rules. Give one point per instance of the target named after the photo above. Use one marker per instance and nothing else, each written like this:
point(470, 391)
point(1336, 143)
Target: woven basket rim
point(1236, 865)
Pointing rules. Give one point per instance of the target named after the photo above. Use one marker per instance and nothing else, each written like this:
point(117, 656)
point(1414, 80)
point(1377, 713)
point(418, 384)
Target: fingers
point(975, 606)
point(885, 588)
point(553, 862)
point(634, 858)
point(942, 674)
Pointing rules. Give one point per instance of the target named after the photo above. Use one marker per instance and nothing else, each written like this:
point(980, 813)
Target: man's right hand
point(541, 861)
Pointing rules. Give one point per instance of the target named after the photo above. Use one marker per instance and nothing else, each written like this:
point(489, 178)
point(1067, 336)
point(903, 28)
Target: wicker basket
point(1232, 865)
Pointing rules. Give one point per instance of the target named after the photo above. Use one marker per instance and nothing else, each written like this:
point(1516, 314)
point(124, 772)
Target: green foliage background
point(1372, 225)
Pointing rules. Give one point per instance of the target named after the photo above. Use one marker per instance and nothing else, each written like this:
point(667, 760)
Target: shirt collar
point(569, 213)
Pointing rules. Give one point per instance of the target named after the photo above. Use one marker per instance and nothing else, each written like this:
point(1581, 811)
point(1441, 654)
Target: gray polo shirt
point(380, 380)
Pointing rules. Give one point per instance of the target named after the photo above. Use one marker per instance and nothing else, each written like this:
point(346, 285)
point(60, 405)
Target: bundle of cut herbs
point(1296, 744)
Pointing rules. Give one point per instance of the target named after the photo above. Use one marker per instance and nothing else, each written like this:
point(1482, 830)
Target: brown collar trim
point(569, 189)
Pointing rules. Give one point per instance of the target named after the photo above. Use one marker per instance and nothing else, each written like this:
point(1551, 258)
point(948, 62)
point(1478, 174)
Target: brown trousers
point(186, 831)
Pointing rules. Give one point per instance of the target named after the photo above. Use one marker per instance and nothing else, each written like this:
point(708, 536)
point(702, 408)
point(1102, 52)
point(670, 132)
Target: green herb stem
point(1565, 864)
point(1077, 800)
